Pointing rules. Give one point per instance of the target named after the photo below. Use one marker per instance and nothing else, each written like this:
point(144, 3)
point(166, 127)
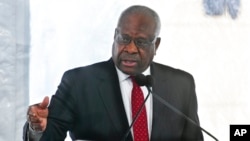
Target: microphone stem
point(180, 113)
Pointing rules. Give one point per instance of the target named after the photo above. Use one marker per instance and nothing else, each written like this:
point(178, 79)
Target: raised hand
point(37, 115)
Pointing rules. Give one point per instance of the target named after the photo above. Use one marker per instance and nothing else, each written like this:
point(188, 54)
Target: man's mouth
point(129, 63)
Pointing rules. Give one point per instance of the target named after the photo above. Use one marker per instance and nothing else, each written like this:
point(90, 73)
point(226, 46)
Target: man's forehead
point(134, 28)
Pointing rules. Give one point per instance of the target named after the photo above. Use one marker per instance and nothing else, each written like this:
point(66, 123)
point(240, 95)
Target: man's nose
point(131, 47)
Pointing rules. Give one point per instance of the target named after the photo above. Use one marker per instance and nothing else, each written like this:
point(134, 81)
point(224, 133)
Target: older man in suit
point(95, 102)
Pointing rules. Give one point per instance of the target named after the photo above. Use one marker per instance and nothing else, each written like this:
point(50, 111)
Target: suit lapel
point(159, 110)
point(110, 93)
point(166, 123)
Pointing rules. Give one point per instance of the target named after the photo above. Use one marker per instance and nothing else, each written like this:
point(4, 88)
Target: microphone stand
point(180, 113)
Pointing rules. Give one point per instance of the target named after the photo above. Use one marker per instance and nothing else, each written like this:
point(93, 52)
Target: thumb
point(44, 103)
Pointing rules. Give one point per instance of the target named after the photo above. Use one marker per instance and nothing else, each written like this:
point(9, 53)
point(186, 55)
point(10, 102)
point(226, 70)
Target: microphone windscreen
point(143, 80)
point(150, 80)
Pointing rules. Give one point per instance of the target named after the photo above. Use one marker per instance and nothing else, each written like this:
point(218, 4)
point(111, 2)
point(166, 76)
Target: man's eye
point(124, 39)
point(142, 42)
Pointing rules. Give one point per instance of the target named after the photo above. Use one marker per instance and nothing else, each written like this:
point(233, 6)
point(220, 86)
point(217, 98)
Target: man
point(95, 102)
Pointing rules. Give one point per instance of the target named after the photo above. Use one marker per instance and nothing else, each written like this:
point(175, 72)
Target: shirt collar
point(122, 76)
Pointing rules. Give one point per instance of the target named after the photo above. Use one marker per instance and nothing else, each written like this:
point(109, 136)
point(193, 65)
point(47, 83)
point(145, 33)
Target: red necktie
point(140, 127)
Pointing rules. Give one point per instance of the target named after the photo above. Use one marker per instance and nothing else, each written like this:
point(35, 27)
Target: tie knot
point(133, 80)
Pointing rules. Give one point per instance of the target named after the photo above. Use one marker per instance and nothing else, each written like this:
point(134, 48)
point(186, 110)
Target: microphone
point(143, 80)
point(147, 81)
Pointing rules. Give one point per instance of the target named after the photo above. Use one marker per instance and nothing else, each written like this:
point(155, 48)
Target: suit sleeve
point(61, 115)
point(29, 134)
point(192, 132)
point(25, 131)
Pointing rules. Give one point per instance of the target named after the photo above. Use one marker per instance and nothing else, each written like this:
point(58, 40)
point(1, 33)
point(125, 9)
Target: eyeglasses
point(139, 42)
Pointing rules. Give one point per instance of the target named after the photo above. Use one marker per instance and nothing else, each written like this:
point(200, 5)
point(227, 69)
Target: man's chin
point(128, 71)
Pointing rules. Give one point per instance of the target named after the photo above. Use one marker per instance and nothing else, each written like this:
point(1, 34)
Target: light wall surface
point(14, 67)
point(214, 49)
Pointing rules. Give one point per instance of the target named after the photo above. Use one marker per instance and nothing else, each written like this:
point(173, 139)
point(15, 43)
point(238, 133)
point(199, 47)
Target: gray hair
point(143, 10)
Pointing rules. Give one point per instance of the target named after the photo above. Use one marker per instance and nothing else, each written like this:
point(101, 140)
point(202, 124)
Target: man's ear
point(115, 33)
point(157, 43)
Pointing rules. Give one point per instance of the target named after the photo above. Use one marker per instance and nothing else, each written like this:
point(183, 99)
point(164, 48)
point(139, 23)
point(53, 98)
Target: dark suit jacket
point(88, 103)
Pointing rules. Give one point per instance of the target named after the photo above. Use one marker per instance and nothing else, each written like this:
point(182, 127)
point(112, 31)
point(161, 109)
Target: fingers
point(44, 103)
point(35, 123)
point(43, 113)
point(36, 126)
point(32, 117)
point(36, 111)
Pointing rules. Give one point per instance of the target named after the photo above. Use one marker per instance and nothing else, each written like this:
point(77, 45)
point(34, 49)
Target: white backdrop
point(215, 49)
point(14, 67)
